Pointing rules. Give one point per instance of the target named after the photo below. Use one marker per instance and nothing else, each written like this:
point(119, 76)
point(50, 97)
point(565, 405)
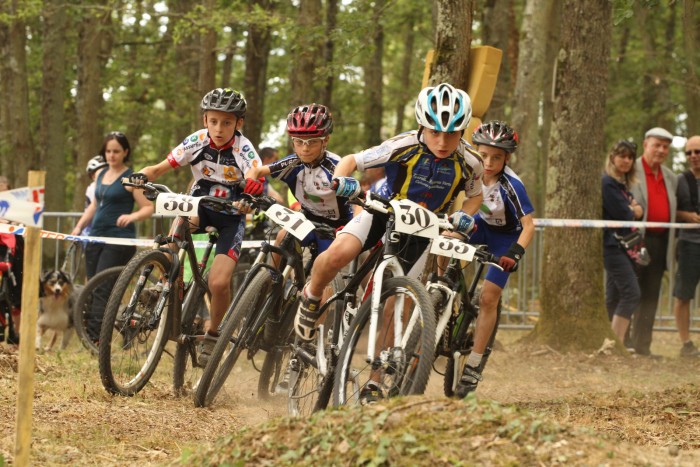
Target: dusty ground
point(615, 410)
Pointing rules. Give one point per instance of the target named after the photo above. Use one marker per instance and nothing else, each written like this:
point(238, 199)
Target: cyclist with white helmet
point(220, 157)
point(504, 223)
point(429, 166)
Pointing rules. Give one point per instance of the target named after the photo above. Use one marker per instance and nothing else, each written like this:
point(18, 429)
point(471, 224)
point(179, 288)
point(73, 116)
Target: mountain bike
point(457, 305)
point(391, 340)
point(262, 313)
point(150, 304)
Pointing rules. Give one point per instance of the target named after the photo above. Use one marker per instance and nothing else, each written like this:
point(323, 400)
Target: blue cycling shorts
point(497, 243)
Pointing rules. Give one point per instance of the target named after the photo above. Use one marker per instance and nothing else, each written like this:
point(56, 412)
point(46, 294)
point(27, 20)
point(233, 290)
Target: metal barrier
point(521, 300)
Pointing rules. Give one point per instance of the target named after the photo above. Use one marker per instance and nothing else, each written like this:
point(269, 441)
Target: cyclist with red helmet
point(219, 157)
point(504, 223)
point(309, 171)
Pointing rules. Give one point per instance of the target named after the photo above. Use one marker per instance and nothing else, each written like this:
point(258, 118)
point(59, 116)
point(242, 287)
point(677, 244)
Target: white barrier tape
point(589, 223)
point(19, 230)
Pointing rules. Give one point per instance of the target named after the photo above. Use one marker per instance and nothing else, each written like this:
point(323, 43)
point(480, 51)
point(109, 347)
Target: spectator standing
point(621, 286)
point(656, 193)
point(112, 215)
point(688, 248)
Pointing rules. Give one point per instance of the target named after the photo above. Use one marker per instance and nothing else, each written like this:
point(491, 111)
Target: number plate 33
point(452, 248)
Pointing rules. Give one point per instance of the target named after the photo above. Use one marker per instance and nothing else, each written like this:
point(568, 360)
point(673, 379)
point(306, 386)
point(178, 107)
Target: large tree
point(256, 59)
point(453, 35)
point(573, 313)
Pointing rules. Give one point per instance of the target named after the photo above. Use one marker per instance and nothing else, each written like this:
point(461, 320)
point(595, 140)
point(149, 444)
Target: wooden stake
point(27, 333)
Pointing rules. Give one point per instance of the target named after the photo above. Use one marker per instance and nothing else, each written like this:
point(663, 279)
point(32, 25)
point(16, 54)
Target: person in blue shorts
point(504, 223)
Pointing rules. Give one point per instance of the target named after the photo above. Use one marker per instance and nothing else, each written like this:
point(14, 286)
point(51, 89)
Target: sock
point(474, 359)
point(310, 296)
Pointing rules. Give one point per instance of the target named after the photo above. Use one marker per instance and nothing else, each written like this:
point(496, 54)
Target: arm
point(153, 172)
point(257, 172)
point(345, 167)
point(528, 231)
point(471, 205)
point(688, 216)
point(85, 218)
point(144, 212)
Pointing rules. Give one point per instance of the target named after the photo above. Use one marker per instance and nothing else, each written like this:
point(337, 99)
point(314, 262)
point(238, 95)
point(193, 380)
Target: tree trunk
point(529, 95)
point(227, 65)
point(207, 55)
point(94, 44)
point(6, 167)
point(256, 58)
point(307, 49)
point(405, 77)
point(573, 313)
point(331, 20)
point(24, 155)
point(373, 79)
point(500, 31)
point(453, 37)
point(692, 83)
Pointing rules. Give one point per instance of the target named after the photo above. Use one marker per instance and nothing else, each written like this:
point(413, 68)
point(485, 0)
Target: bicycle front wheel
point(186, 368)
point(92, 302)
point(232, 338)
point(136, 324)
point(395, 368)
point(309, 388)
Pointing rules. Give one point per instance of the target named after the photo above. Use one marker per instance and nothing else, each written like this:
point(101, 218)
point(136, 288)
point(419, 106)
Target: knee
point(488, 301)
point(218, 284)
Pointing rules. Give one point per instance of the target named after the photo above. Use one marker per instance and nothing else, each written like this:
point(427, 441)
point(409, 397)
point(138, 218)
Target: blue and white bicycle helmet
point(443, 108)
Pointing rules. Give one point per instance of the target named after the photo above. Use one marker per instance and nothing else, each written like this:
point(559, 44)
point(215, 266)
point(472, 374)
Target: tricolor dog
point(56, 302)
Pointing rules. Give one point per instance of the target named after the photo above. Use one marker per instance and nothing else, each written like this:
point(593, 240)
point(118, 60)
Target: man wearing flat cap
point(656, 193)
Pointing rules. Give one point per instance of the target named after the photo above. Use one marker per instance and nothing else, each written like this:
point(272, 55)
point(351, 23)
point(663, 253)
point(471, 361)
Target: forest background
point(575, 77)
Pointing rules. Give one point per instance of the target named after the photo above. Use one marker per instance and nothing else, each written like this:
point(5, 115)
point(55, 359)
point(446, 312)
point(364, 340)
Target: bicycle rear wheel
point(234, 333)
point(89, 299)
point(135, 327)
point(186, 368)
point(309, 389)
point(393, 369)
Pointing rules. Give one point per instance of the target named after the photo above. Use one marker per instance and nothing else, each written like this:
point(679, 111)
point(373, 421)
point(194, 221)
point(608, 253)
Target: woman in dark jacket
point(621, 287)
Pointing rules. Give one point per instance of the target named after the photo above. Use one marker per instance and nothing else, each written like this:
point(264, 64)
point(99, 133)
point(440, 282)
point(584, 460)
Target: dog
point(56, 301)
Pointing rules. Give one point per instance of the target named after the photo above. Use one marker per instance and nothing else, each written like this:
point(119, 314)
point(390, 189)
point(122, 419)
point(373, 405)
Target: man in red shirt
point(656, 193)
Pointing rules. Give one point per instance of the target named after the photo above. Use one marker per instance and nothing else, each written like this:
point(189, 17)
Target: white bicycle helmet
point(443, 108)
point(96, 163)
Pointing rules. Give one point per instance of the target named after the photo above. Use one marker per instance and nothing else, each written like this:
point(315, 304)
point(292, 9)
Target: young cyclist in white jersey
point(309, 171)
point(504, 223)
point(429, 166)
point(220, 157)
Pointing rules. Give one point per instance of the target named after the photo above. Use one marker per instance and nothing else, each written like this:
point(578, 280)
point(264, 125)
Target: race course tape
point(581, 223)
point(19, 230)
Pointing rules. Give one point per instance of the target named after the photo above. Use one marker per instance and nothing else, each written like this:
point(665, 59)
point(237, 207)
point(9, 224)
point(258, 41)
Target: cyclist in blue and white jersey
point(219, 157)
point(504, 223)
point(309, 171)
point(429, 166)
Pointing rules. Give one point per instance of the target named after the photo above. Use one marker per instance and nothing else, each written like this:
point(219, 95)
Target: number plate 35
point(292, 221)
point(452, 248)
point(173, 205)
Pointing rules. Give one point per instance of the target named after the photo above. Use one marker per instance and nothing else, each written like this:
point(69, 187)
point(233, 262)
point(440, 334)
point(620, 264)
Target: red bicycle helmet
point(313, 120)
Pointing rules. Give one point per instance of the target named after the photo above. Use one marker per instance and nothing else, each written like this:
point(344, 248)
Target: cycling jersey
point(312, 187)
point(505, 202)
point(215, 170)
point(415, 173)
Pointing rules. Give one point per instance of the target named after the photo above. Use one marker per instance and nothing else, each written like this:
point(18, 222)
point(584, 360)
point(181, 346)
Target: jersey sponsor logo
point(230, 173)
point(207, 171)
point(180, 151)
point(193, 138)
point(190, 146)
point(208, 157)
point(201, 136)
point(185, 141)
point(251, 154)
point(246, 148)
point(220, 191)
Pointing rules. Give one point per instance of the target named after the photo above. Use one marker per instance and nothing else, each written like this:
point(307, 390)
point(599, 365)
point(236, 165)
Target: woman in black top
point(621, 287)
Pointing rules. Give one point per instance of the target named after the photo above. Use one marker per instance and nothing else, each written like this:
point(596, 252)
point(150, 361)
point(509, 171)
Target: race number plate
point(173, 205)
point(292, 221)
point(452, 248)
point(411, 218)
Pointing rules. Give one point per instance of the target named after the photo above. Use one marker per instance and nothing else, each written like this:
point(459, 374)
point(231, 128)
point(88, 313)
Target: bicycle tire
point(228, 346)
point(408, 369)
point(186, 368)
point(84, 304)
point(309, 390)
point(464, 341)
point(123, 370)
